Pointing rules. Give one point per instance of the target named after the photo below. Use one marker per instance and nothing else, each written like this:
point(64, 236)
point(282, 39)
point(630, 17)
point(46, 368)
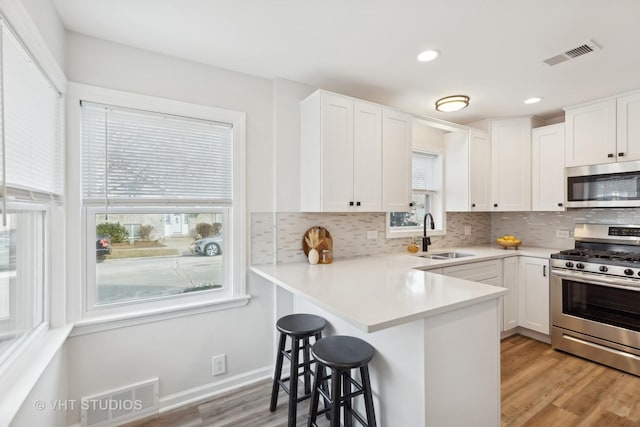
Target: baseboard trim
point(208, 391)
point(527, 333)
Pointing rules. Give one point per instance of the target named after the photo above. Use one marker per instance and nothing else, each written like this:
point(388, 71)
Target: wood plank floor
point(540, 387)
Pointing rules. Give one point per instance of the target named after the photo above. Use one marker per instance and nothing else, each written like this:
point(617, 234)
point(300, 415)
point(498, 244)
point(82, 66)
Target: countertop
point(378, 292)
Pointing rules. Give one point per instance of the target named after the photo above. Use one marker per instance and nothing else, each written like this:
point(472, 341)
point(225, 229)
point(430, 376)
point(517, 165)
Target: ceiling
point(491, 50)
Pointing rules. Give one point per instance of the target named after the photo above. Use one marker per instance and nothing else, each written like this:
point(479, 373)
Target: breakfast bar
point(436, 338)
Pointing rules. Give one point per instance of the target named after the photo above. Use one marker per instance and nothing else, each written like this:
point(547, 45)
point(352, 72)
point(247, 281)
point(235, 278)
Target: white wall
point(178, 351)
point(45, 16)
point(287, 97)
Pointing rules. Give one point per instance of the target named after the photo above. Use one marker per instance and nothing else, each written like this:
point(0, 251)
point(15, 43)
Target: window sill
point(23, 371)
point(105, 323)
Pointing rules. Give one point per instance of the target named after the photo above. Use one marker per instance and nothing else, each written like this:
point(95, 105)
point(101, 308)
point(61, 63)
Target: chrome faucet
point(426, 241)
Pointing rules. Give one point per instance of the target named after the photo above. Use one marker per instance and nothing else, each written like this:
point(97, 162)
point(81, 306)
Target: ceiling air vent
point(583, 49)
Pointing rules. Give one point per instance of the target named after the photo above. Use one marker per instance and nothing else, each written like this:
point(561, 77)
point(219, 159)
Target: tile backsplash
point(277, 237)
point(349, 233)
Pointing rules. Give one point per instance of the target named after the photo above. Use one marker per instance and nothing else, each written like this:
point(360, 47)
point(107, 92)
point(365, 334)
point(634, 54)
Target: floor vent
point(583, 49)
point(125, 404)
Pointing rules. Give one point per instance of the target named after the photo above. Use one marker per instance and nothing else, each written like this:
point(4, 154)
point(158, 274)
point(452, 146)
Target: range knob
point(568, 264)
point(580, 265)
point(603, 268)
point(628, 272)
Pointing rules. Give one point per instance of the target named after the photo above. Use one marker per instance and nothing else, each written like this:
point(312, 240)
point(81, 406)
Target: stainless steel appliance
point(606, 185)
point(595, 296)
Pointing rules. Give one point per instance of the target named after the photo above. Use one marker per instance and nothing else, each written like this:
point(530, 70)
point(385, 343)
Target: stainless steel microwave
point(605, 185)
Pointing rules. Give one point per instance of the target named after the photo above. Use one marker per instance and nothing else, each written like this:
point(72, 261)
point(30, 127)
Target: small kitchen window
point(427, 196)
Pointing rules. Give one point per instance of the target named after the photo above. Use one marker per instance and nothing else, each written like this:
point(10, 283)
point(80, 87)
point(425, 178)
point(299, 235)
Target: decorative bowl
point(506, 244)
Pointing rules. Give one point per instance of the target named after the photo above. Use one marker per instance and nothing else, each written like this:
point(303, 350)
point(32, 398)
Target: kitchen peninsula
point(437, 338)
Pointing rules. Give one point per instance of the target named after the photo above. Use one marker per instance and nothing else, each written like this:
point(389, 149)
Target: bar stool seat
point(341, 354)
point(300, 328)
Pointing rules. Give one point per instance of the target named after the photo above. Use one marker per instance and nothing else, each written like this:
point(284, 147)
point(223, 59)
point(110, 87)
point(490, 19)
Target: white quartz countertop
point(379, 292)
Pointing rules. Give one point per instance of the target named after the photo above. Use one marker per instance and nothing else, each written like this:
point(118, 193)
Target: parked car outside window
point(209, 246)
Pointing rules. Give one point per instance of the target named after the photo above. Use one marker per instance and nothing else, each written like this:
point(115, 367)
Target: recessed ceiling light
point(428, 55)
point(532, 100)
point(452, 103)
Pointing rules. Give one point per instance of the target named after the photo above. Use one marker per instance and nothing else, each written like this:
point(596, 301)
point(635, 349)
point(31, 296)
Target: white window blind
point(423, 171)
point(32, 120)
point(139, 155)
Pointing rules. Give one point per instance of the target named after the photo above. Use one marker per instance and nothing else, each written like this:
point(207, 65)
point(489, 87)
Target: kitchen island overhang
point(437, 338)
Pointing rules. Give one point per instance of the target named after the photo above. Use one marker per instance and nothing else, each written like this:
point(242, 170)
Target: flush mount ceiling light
point(428, 55)
point(452, 103)
point(532, 100)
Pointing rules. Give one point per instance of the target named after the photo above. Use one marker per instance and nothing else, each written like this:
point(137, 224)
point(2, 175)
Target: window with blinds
point(31, 177)
point(131, 155)
point(427, 196)
point(160, 203)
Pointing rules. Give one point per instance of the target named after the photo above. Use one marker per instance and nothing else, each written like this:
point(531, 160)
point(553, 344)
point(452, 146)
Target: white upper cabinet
point(604, 131)
point(591, 134)
point(468, 171)
point(511, 164)
point(341, 156)
point(396, 160)
point(547, 163)
point(628, 127)
point(480, 170)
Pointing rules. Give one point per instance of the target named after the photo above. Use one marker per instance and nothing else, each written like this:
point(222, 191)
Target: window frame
point(440, 217)
point(151, 310)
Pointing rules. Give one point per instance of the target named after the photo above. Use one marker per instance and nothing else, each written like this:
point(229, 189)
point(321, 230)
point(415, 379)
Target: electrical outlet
point(219, 363)
point(562, 234)
point(373, 234)
point(467, 230)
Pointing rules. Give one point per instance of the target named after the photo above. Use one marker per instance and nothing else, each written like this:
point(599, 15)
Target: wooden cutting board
point(327, 241)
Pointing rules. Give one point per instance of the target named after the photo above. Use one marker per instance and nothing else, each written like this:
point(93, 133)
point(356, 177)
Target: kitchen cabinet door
point(468, 171)
point(547, 168)
point(533, 310)
point(510, 300)
point(591, 134)
point(479, 171)
point(628, 127)
point(396, 160)
point(367, 157)
point(340, 154)
point(511, 164)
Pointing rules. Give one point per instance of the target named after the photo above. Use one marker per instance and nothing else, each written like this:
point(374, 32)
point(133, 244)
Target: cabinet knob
point(473, 205)
point(411, 204)
point(610, 155)
point(495, 205)
point(560, 204)
point(620, 154)
point(350, 203)
point(357, 203)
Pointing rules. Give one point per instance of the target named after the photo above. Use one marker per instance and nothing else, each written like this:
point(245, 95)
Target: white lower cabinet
point(489, 272)
point(533, 290)
point(510, 300)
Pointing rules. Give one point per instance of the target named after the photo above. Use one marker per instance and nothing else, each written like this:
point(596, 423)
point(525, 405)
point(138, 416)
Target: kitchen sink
point(445, 255)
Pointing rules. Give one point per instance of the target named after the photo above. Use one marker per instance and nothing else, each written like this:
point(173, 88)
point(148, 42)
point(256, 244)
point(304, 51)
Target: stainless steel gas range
point(595, 296)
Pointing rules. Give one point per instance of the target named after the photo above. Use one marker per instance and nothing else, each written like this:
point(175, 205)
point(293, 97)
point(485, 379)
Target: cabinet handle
point(620, 154)
point(350, 203)
point(411, 204)
point(544, 271)
point(610, 155)
point(495, 205)
point(357, 203)
point(560, 204)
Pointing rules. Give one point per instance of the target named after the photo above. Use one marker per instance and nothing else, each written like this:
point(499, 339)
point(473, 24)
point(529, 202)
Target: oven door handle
point(596, 279)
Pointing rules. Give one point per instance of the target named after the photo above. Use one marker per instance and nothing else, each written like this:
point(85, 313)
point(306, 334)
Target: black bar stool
point(300, 328)
point(341, 354)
